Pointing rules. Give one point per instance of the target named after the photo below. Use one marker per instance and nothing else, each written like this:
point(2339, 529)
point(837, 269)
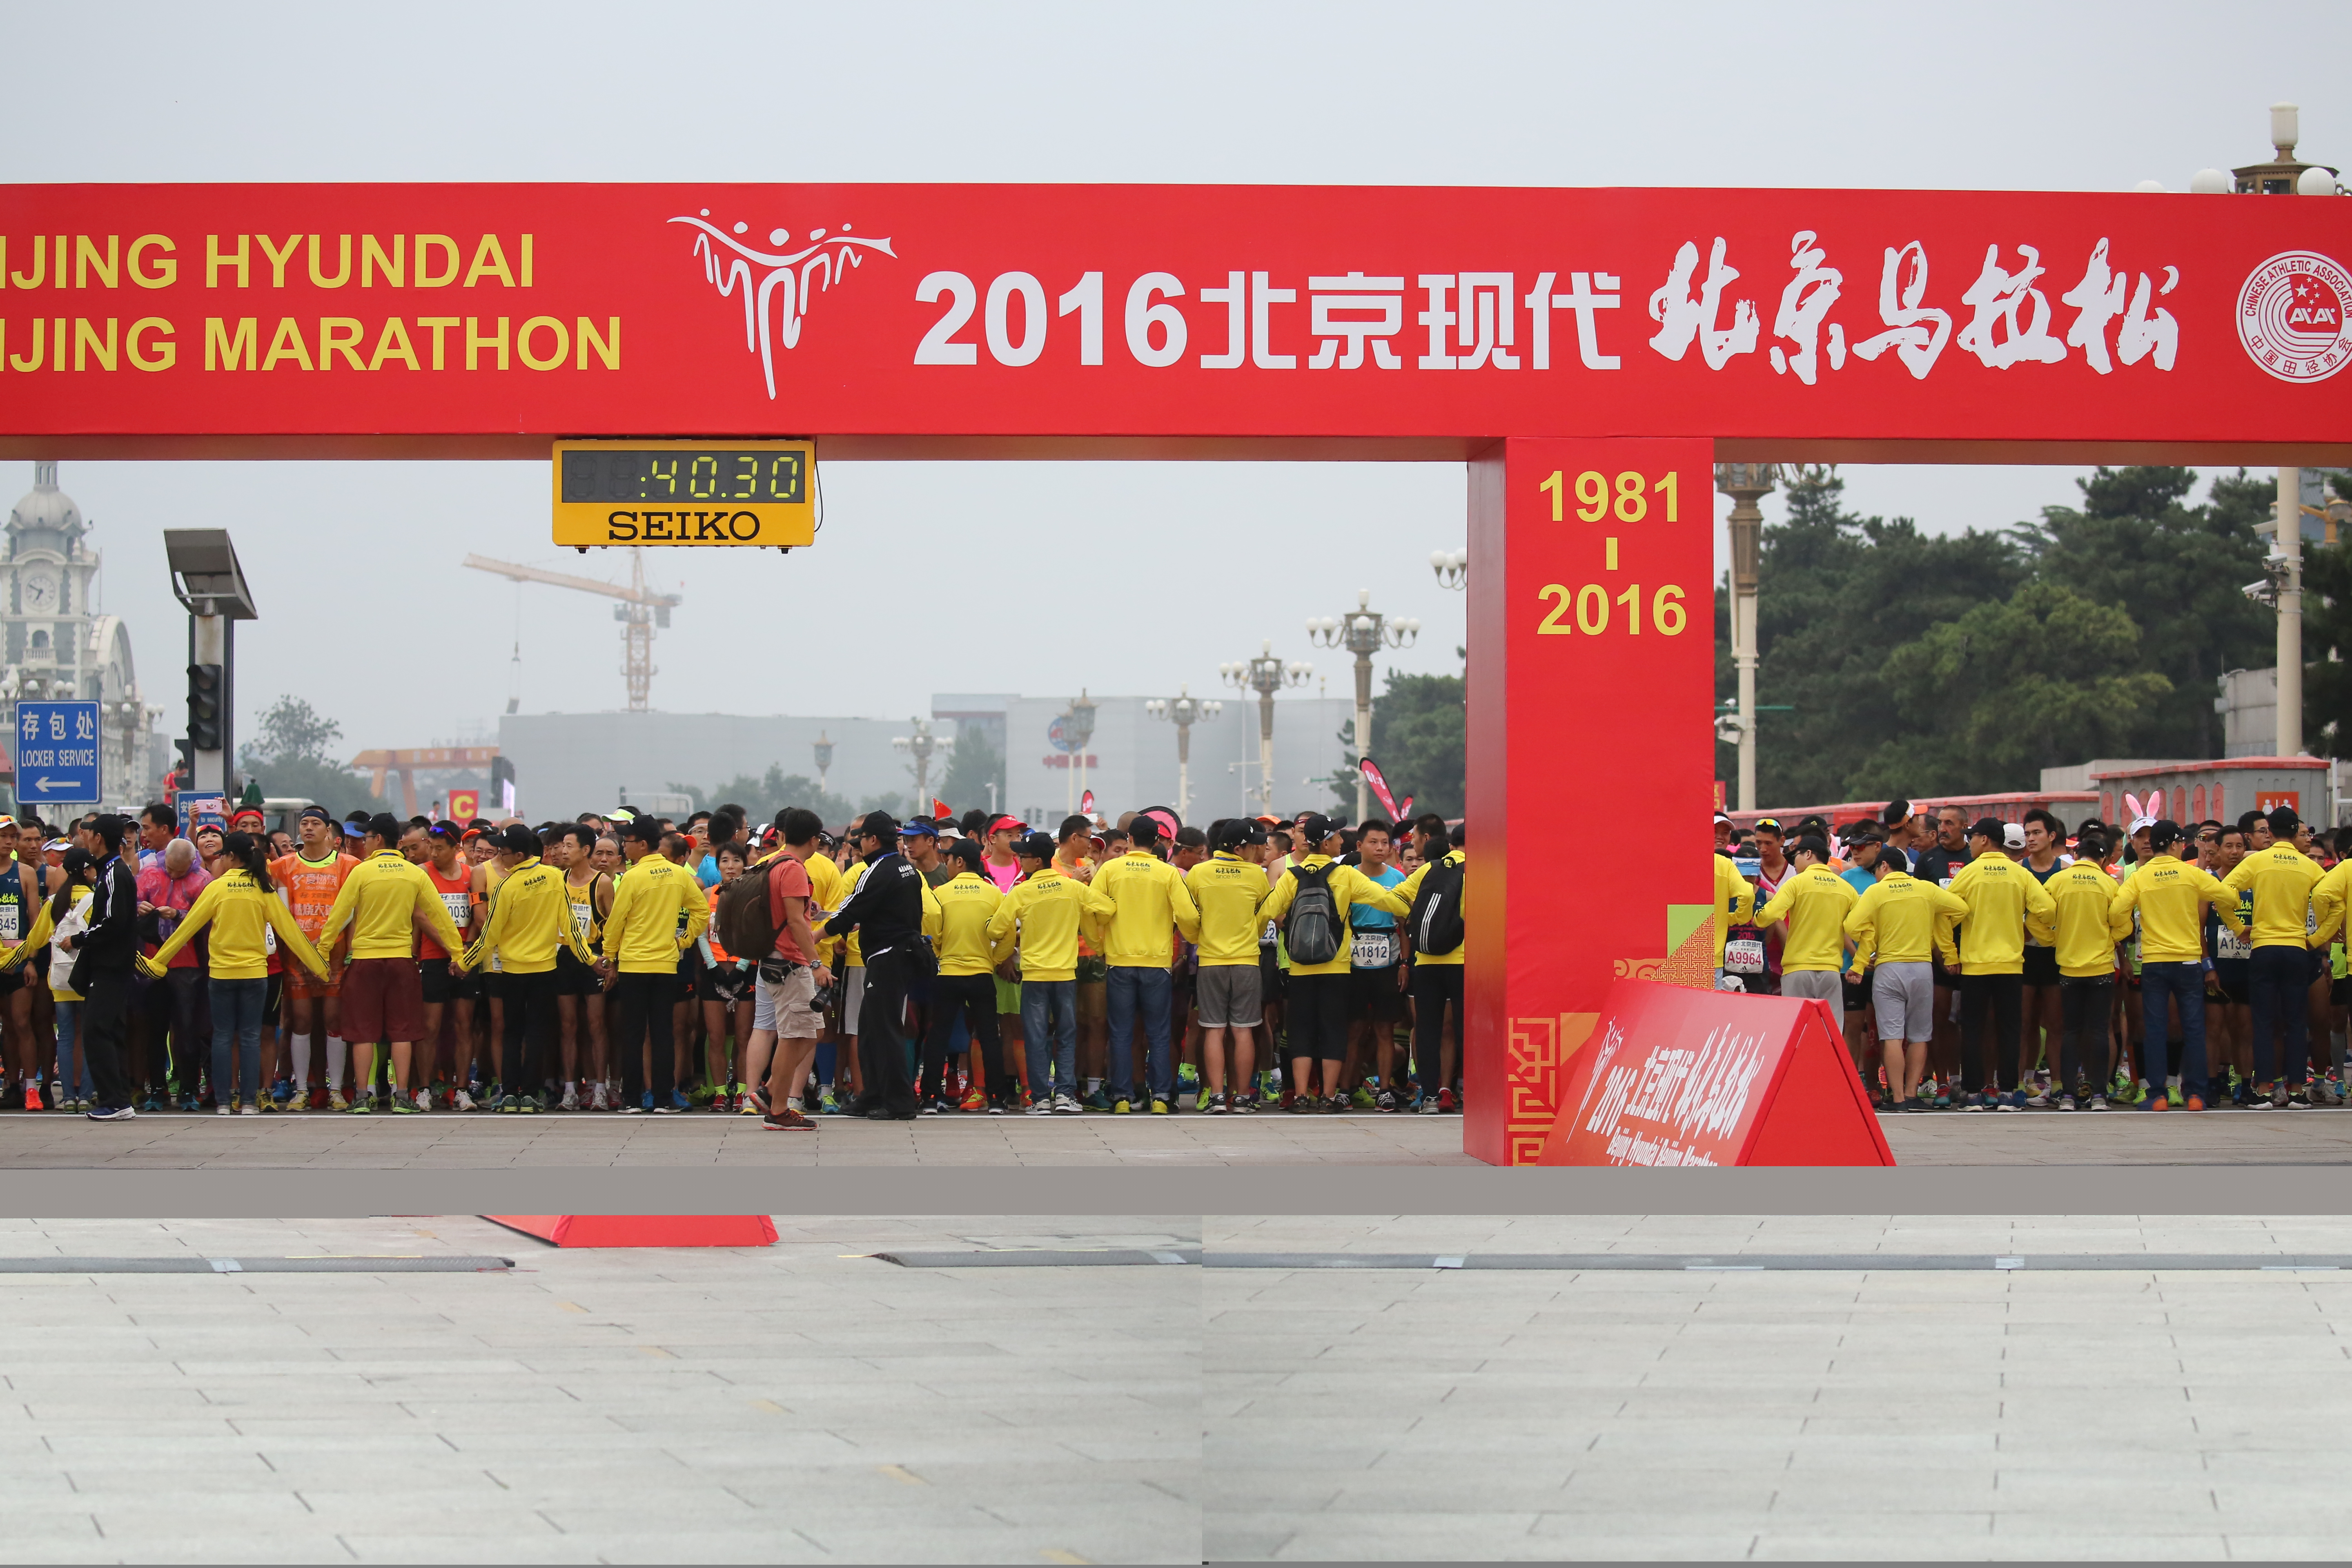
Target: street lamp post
point(1746, 484)
point(921, 745)
point(1264, 675)
point(2284, 175)
point(1452, 566)
point(824, 759)
point(1184, 711)
point(1363, 632)
point(1077, 727)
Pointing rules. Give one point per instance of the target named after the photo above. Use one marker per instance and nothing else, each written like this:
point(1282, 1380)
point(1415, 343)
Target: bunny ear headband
point(2141, 816)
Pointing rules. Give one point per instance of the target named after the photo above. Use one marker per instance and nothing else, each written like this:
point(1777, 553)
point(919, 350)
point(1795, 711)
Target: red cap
point(1003, 823)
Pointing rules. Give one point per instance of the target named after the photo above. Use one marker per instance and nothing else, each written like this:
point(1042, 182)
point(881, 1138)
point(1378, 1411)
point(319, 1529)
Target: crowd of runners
point(1998, 966)
point(628, 963)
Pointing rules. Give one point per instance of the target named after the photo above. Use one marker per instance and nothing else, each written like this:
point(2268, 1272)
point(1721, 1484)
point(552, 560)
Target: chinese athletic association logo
point(2291, 316)
point(779, 282)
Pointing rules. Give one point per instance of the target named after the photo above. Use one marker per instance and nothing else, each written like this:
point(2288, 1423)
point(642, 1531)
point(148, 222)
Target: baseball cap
point(2012, 836)
point(1035, 847)
point(1316, 827)
point(355, 830)
point(1985, 827)
point(877, 824)
point(1002, 823)
point(2163, 832)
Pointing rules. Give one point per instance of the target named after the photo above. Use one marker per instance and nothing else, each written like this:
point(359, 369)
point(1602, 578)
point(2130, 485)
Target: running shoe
point(2039, 1101)
point(786, 1121)
point(1119, 1107)
point(335, 1100)
point(976, 1101)
point(225, 1110)
point(2066, 1102)
point(1288, 1099)
point(639, 1110)
point(405, 1105)
point(2172, 1095)
point(249, 1108)
point(1218, 1105)
point(2194, 1102)
point(679, 1101)
point(1038, 1107)
point(597, 1099)
point(1067, 1104)
point(528, 1104)
point(1445, 1102)
point(461, 1100)
point(1426, 1105)
point(1300, 1104)
point(1245, 1104)
point(1386, 1100)
point(2157, 1102)
point(2098, 1102)
point(928, 1108)
point(111, 1113)
point(1363, 1098)
point(2298, 1099)
point(1159, 1108)
point(423, 1100)
point(571, 1101)
point(1097, 1100)
point(1339, 1105)
point(827, 1105)
point(363, 1106)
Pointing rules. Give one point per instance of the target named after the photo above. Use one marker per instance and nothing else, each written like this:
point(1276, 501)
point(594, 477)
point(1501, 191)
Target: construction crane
point(641, 610)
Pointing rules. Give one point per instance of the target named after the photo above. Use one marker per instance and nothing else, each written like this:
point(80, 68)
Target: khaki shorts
point(785, 1005)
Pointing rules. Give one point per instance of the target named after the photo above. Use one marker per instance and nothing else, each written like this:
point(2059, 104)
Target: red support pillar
point(1591, 734)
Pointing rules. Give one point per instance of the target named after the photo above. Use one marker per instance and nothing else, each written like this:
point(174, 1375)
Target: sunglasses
point(1768, 825)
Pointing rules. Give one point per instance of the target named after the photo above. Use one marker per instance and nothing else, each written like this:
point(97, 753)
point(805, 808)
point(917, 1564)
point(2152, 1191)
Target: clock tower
point(58, 645)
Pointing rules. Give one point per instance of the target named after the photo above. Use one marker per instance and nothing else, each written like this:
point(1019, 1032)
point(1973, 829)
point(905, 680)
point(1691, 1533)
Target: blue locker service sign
point(57, 753)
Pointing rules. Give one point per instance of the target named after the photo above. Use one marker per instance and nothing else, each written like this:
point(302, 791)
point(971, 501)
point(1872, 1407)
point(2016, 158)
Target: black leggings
point(2085, 1006)
point(530, 1032)
point(974, 995)
point(2000, 995)
point(1435, 987)
point(642, 1005)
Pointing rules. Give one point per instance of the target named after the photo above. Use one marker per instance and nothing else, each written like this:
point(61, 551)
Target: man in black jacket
point(104, 963)
point(886, 910)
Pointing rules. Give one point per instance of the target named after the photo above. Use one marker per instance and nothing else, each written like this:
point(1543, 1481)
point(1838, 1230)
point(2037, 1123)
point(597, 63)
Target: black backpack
point(1436, 919)
point(1312, 931)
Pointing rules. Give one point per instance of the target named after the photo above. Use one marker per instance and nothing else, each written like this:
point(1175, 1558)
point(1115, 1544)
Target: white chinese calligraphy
point(1337, 313)
point(1681, 316)
point(1804, 303)
point(1997, 335)
point(1916, 333)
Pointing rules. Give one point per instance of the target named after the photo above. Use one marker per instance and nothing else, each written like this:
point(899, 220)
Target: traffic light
point(204, 707)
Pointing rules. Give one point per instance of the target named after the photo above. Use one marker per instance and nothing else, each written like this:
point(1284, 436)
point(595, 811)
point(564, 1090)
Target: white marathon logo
point(2291, 316)
point(795, 274)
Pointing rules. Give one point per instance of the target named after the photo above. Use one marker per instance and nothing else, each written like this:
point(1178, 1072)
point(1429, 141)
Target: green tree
point(1837, 595)
point(2327, 646)
point(1422, 745)
point(291, 759)
point(1994, 695)
point(2177, 571)
point(762, 797)
point(974, 769)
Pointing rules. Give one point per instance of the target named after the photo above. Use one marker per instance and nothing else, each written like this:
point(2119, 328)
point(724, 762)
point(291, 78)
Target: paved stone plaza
point(795, 1404)
point(327, 1141)
point(1461, 1414)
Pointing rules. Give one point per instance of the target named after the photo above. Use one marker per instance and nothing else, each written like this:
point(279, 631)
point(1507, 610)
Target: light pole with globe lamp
point(1453, 568)
point(1746, 484)
point(921, 745)
point(1184, 711)
point(1266, 675)
point(1363, 632)
point(824, 759)
point(2284, 175)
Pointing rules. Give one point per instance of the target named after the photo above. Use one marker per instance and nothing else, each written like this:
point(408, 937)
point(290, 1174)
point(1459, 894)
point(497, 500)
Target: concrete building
point(569, 762)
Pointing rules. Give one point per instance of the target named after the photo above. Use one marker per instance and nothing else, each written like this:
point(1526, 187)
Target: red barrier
point(643, 1229)
point(1676, 1077)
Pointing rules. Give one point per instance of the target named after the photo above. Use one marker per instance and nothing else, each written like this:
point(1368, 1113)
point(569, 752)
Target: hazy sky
point(2035, 97)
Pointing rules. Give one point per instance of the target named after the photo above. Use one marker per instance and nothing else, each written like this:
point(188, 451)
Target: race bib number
point(8, 922)
point(460, 906)
point(268, 942)
point(2228, 943)
point(1375, 950)
point(584, 915)
point(1744, 955)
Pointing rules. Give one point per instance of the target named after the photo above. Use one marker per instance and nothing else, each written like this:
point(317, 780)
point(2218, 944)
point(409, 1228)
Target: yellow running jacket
point(1349, 886)
point(641, 933)
point(1228, 891)
point(1903, 919)
point(956, 918)
point(236, 909)
point(1046, 906)
point(2172, 895)
point(2283, 878)
point(1135, 900)
point(1735, 902)
point(2003, 898)
point(1813, 903)
point(2089, 925)
point(381, 899)
point(530, 918)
